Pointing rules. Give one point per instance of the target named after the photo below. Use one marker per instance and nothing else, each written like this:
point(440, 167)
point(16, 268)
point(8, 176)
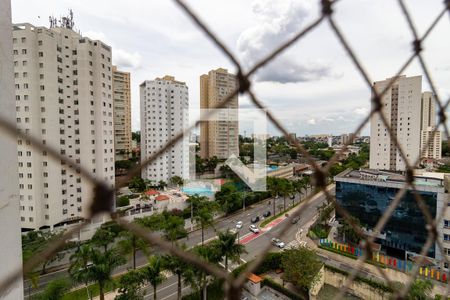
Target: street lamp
point(192, 216)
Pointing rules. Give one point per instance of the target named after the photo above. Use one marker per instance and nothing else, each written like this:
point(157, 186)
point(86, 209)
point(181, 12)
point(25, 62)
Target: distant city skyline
point(313, 87)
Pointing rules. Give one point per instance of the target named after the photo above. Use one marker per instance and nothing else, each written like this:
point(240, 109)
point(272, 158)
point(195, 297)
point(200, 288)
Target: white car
point(239, 224)
point(253, 228)
point(278, 243)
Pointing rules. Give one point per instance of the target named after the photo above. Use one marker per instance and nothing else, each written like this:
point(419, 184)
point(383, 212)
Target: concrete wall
point(11, 258)
point(357, 288)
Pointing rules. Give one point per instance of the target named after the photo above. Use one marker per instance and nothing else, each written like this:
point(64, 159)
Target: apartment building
point(63, 85)
point(219, 138)
point(164, 113)
point(430, 141)
point(11, 248)
point(122, 114)
point(402, 110)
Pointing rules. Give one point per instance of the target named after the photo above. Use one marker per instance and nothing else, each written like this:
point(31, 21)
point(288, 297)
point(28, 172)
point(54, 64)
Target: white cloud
point(311, 122)
point(361, 111)
point(125, 59)
point(276, 21)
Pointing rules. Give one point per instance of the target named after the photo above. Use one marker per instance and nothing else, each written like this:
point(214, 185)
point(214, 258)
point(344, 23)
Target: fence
point(102, 201)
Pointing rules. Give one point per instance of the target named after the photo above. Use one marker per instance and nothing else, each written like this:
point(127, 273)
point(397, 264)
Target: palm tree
point(176, 180)
point(173, 228)
point(198, 278)
point(205, 212)
point(130, 244)
point(103, 237)
point(274, 188)
point(54, 290)
point(79, 266)
point(177, 266)
point(228, 248)
point(103, 264)
point(130, 285)
point(152, 273)
point(162, 184)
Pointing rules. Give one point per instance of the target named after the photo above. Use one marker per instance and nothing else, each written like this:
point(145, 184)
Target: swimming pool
point(202, 191)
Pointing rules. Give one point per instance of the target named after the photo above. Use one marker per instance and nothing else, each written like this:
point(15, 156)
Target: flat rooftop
point(420, 178)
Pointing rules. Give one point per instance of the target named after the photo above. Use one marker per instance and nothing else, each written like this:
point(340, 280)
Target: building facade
point(63, 85)
point(401, 107)
point(219, 138)
point(430, 138)
point(164, 114)
point(11, 259)
point(366, 195)
point(122, 114)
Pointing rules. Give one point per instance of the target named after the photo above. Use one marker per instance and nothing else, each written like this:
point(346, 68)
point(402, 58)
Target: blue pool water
point(202, 191)
point(272, 168)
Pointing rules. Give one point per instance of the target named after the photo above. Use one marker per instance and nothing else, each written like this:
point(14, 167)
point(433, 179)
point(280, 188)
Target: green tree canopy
point(301, 267)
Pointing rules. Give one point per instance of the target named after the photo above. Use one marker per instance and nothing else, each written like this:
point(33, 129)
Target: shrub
point(272, 284)
point(123, 201)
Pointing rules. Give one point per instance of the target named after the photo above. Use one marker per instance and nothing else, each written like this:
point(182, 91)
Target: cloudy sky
point(312, 87)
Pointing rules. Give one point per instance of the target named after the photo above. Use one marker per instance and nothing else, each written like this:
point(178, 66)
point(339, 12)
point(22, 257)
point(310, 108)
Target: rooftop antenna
point(63, 22)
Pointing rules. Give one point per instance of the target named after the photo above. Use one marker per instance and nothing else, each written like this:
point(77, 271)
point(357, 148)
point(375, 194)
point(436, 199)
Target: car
point(255, 219)
point(267, 214)
point(278, 243)
point(295, 219)
point(239, 224)
point(253, 228)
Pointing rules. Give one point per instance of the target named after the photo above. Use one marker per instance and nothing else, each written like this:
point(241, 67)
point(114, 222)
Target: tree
point(36, 241)
point(198, 278)
point(347, 230)
point(103, 237)
point(136, 136)
point(301, 267)
point(173, 228)
point(152, 273)
point(103, 264)
point(205, 210)
point(420, 290)
point(123, 201)
point(178, 267)
point(79, 266)
point(55, 290)
point(285, 189)
point(130, 244)
point(176, 180)
point(274, 189)
point(137, 184)
point(130, 285)
point(228, 248)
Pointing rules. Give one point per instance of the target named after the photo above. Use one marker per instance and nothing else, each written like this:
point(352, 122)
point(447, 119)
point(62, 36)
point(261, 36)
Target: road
point(194, 238)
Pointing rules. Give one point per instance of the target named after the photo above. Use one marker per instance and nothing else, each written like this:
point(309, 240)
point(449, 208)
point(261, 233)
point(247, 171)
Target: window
point(446, 223)
point(23, 40)
point(41, 54)
point(24, 51)
point(446, 237)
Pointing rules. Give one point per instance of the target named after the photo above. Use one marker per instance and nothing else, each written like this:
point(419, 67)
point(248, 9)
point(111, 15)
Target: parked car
point(278, 243)
point(255, 219)
point(267, 214)
point(239, 224)
point(253, 228)
point(295, 220)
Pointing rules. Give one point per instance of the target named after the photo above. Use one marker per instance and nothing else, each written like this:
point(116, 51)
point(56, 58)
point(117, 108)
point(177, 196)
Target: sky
point(313, 87)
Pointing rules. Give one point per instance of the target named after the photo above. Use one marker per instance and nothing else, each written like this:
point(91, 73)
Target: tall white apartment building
point(164, 113)
point(122, 114)
point(63, 84)
point(402, 109)
point(10, 259)
point(430, 144)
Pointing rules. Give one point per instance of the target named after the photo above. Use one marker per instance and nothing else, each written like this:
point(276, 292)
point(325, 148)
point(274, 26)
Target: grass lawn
point(93, 289)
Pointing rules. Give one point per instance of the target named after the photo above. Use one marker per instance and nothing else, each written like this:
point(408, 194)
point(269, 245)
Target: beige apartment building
point(122, 114)
point(63, 92)
point(219, 138)
point(430, 143)
point(411, 116)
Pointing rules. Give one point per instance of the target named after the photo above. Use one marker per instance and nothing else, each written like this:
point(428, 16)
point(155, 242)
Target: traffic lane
point(257, 245)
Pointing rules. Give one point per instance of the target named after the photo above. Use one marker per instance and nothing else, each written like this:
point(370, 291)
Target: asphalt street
point(254, 247)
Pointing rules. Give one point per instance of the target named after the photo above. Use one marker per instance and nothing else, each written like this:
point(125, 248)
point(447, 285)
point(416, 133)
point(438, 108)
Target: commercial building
point(11, 248)
point(164, 114)
point(219, 138)
point(411, 115)
point(122, 114)
point(63, 85)
point(366, 195)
